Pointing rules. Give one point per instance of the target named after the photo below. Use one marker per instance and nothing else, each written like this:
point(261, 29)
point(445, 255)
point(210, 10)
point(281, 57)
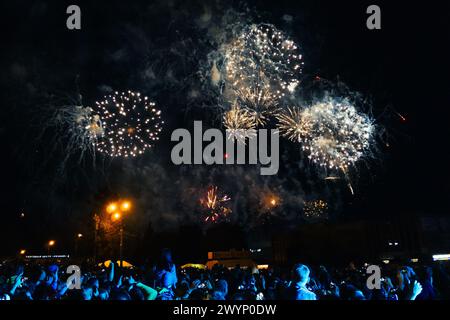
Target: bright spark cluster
point(291, 125)
point(131, 124)
point(261, 67)
point(215, 205)
point(269, 202)
point(239, 123)
point(316, 209)
point(333, 134)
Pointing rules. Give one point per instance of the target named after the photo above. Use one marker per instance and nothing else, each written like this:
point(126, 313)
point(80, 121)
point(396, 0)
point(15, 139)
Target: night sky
point(402, 68)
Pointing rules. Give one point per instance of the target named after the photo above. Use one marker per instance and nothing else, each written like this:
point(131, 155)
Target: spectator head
point(255, 270)
point(301, 274)
point(350, 292)
point(405, 275)
point(250, 280)
point(166, 262)
point(217, 295)
point(358, 295)
point(4, 296)
point(245, 295)
point(239, 296)
point(166, 255)
point(182, 289)
point(222, 286)
point(87, 293)
point(53, 268)
point(93, 283)
point(120, 295)
point(103, 294)
point(136, 294)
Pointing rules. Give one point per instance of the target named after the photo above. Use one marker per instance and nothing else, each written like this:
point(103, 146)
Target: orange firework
point(215, 205)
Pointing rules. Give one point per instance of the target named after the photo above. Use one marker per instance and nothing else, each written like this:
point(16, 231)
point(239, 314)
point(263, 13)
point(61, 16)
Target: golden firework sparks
point(316, 209)
point(215, 205)
point(239, 123)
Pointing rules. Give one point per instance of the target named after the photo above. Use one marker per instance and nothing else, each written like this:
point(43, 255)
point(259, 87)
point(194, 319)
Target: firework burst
point(269, 203)
point(239, 123)
point(290, 124)
point(259, 102)
point(334, 135)
point(260, 67)
point(131, 123)
point(215, 205)
point(315, 210)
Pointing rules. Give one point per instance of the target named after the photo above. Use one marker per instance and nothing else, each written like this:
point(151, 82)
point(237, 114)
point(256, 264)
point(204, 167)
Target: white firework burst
point(261, 66)
point(131, 124)
point(333, 134)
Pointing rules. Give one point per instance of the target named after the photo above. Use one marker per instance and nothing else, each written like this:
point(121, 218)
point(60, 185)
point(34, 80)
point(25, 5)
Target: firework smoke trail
point(84, 128)
point(331, 178)
point(75, 128)
point(215, 205)
point(131, 124)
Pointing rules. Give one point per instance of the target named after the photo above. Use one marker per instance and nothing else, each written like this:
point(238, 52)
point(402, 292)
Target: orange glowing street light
point(116, 216)
point(78, 239)
point(116, 210)
point(23, 251)
point(112, 207)
point(125, 206)
point(50, 244)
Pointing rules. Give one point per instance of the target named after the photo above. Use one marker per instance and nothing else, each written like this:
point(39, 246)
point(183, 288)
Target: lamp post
point(77, 239)
point(117, 210)
point(121, 244)
point(50, 244)
point(96, 227)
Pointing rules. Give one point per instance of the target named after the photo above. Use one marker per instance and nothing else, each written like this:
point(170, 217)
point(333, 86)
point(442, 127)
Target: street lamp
point(116, 210)
point(112, 207)
point(50, 244)
point(23, 251)
point(125, 206)
point(116, 216)
point(78, 238)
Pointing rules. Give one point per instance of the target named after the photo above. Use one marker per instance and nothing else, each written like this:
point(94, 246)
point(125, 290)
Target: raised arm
point(150, 293)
